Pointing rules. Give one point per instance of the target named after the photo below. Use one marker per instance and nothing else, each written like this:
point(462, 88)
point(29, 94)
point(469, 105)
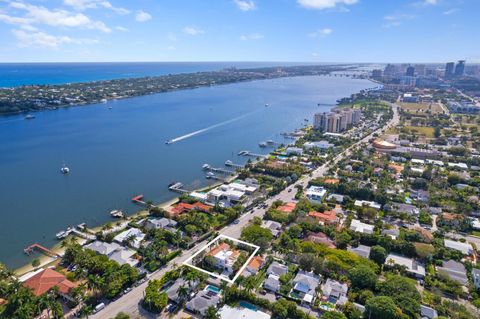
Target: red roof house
point(46, 280)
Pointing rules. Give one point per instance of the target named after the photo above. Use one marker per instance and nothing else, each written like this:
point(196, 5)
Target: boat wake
point(183, 137)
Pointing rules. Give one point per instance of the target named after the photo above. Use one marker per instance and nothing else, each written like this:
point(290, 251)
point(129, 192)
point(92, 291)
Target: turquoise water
point(214, 289)
point(116, 153)
point(247, 305)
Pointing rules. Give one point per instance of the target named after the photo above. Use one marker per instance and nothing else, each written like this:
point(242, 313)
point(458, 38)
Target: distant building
point(377, 74)
point(389, 71)
point(360, 227)
point(410, 71)
point(449, 70)
point(420, 69)
point(460, 68)
point(316, 194)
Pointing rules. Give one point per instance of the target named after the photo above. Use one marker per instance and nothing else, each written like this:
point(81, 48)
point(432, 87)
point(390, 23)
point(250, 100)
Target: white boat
point(61, 234)
point(270, 142)
point(65, 169)
point(228, 163)
point(205, 166)
point(29, 117)
point(262, 144)
point(117, 213)
point(266, 104)
point(103, 100)
point(210, 175)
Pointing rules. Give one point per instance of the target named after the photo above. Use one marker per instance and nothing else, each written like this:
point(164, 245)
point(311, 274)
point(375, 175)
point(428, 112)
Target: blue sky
point(240, 30)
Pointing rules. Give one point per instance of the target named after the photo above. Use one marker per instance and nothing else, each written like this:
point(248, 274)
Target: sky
point(239, 30)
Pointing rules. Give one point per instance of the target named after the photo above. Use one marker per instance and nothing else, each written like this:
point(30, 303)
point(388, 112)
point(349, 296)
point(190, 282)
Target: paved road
point(130, 303)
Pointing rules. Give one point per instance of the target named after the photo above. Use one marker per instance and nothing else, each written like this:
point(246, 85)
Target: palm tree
point(86, 311)
point(182, 292)
point(94, 283)
point(249, 283)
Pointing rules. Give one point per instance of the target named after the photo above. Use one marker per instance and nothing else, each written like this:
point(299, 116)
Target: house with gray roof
point(427, 312)
point(476, 277)
point(275, 227)
point(272, 283)
point(277, 269)
point(455, 271)
point(335, 291)
point(160, 223)
point(405, 208)
point(202, 301)
point(172, 291)
point(103, 248)
point(304, 285)
point(361, 250)
point(393, 233)
point(124, 256)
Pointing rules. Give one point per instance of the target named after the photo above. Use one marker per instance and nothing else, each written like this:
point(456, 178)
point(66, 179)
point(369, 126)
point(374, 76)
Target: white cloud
point(56, 18)
point(396, 20)
point(245, 5)
point(430, 2)
point(120, 28)
point(324, 4)
point(142, 16)
point(94, 4)
point(451, 11)
point(253, 36)
point(191, 30)
point(320, 33)
point(44, 40)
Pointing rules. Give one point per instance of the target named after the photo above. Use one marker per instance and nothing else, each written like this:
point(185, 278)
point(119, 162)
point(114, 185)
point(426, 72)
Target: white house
point(136, 233)
point(464, 248)
point(360, 227)
point(361, 203)
point(315, 194)
point(412, 266)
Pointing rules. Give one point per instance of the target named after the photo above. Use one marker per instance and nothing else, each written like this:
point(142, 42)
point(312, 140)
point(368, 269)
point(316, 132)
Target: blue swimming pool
point(213, 289)
point(247, 305)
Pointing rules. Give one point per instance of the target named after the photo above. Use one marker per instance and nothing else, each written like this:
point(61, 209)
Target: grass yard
point(422, 130)
point(421, 108)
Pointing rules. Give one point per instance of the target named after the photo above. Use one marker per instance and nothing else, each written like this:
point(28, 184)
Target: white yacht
point(65, 169)
point(117, 213)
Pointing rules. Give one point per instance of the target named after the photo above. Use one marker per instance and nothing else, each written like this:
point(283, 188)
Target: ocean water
point(117, 153)
point(16, 74)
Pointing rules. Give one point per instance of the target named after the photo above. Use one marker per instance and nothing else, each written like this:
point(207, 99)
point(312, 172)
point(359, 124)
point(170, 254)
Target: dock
point(178, 187)
point(207, 167)
point(232, 164)
point(30, 249)
point(248, 153)
point(83, 234)
point(138, 200)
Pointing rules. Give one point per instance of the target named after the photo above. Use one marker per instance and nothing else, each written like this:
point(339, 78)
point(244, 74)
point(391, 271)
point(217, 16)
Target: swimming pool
point(247, 305)
point(213, 289)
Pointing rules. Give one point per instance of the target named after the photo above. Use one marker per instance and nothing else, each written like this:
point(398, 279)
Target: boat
point(61, 234)
point(209, 175)
point(29, 117)
point(205, 166)
point(169, 142)
point(117, 213)
point(109, 107)
point(228, 163)
point(262, 144)
point(103, 100)
point(270, 142)
point(267, 105)
point(65, 169)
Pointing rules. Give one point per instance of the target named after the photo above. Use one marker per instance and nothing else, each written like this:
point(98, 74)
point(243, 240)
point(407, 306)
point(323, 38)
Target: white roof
point(465, 248)
point(361, 203)
point(227, 312)
point(360, 227)
point(459, 165)
point(316, 191)
point(435, 162)
point(139, 235)
point(242, 187)
point(198, 195)
point(418, 161)
point(476, 224)
point(411, 264)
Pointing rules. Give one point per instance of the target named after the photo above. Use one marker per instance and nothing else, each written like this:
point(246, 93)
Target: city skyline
point(415, 31)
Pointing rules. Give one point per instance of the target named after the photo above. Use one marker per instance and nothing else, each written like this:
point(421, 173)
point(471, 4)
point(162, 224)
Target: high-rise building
point(377, 74)
point(460, 68)
point(410, 71)
point(389, 71)
point(336, 121)
point(449, 70)
point(357, 113)
point(420, 69)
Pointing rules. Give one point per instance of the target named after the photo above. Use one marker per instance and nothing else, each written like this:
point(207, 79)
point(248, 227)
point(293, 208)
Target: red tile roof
point(181, 208)
point(217, 249)
point(287, 208)
point(46, 280)
point(256, 263)
point(327, 217)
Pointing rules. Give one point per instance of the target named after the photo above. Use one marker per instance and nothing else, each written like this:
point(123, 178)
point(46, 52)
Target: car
point(236, 221)
point(263, 292)
point(290, 190)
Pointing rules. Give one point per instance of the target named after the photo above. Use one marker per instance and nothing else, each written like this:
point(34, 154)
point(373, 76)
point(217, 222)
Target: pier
point(232, 164)
point(138, 200)
point(30, 249)
point(248, 153)
point(208, 167)
point(178, 187)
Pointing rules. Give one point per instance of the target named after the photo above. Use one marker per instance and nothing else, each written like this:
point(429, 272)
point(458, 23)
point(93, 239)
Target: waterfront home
point(360, 250)
point(202, 301)
point(362, 203)
point(227, 312)
point(335, 292)
point(181, 208)
point(328, 217)
point(224, 257)
point(114, 252)
point(464, 248)
point(360, 227)
point(275, 227)
point(160, 223)
point(272, 283)
point(132, 235)
point(247, 189)
point(46, 280)
point(304, 286)
point(411, 265)
point(225, 196)
point(287, 208)
point(293, 151)
point(277, 269)
point(336, 198)
point(455, 271)
point(315, 194)
point(254, 266)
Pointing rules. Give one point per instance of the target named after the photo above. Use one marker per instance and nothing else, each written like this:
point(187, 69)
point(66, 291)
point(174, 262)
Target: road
point(130, 302)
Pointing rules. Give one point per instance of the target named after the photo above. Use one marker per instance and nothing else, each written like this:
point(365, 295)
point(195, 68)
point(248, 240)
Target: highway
point(130, 302)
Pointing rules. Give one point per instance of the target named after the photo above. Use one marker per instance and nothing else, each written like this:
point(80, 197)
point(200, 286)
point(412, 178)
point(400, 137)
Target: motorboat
point(65, 169)
point(29, 117)
point(117, 213)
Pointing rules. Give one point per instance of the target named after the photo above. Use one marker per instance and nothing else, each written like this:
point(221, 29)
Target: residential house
point(275, 227)
point(272, 283)
point(277, 269)
point(225, 195)
point(202, 301)
point(46, 280)
point(254, 266)
point(224, 256)
point(172, 291)
point(115, 252)
point(335, 292)
point(420, 195)
point(293, 151)
point(134, 235)
point(227, 312)
point(361, 250)
point(448, 219)
point(455, 271)
point(322, 145)
point(336, 198)
point(405, 208)
point(315, 194)
point(427, 312)
point(393, 233)
point(181, 208)
point(304, 286)
point(361, 203)
point(411, 265)
point(321, 238)
point(328, 217)
point(464, 248)
point(160, 223)
point(361, 227)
